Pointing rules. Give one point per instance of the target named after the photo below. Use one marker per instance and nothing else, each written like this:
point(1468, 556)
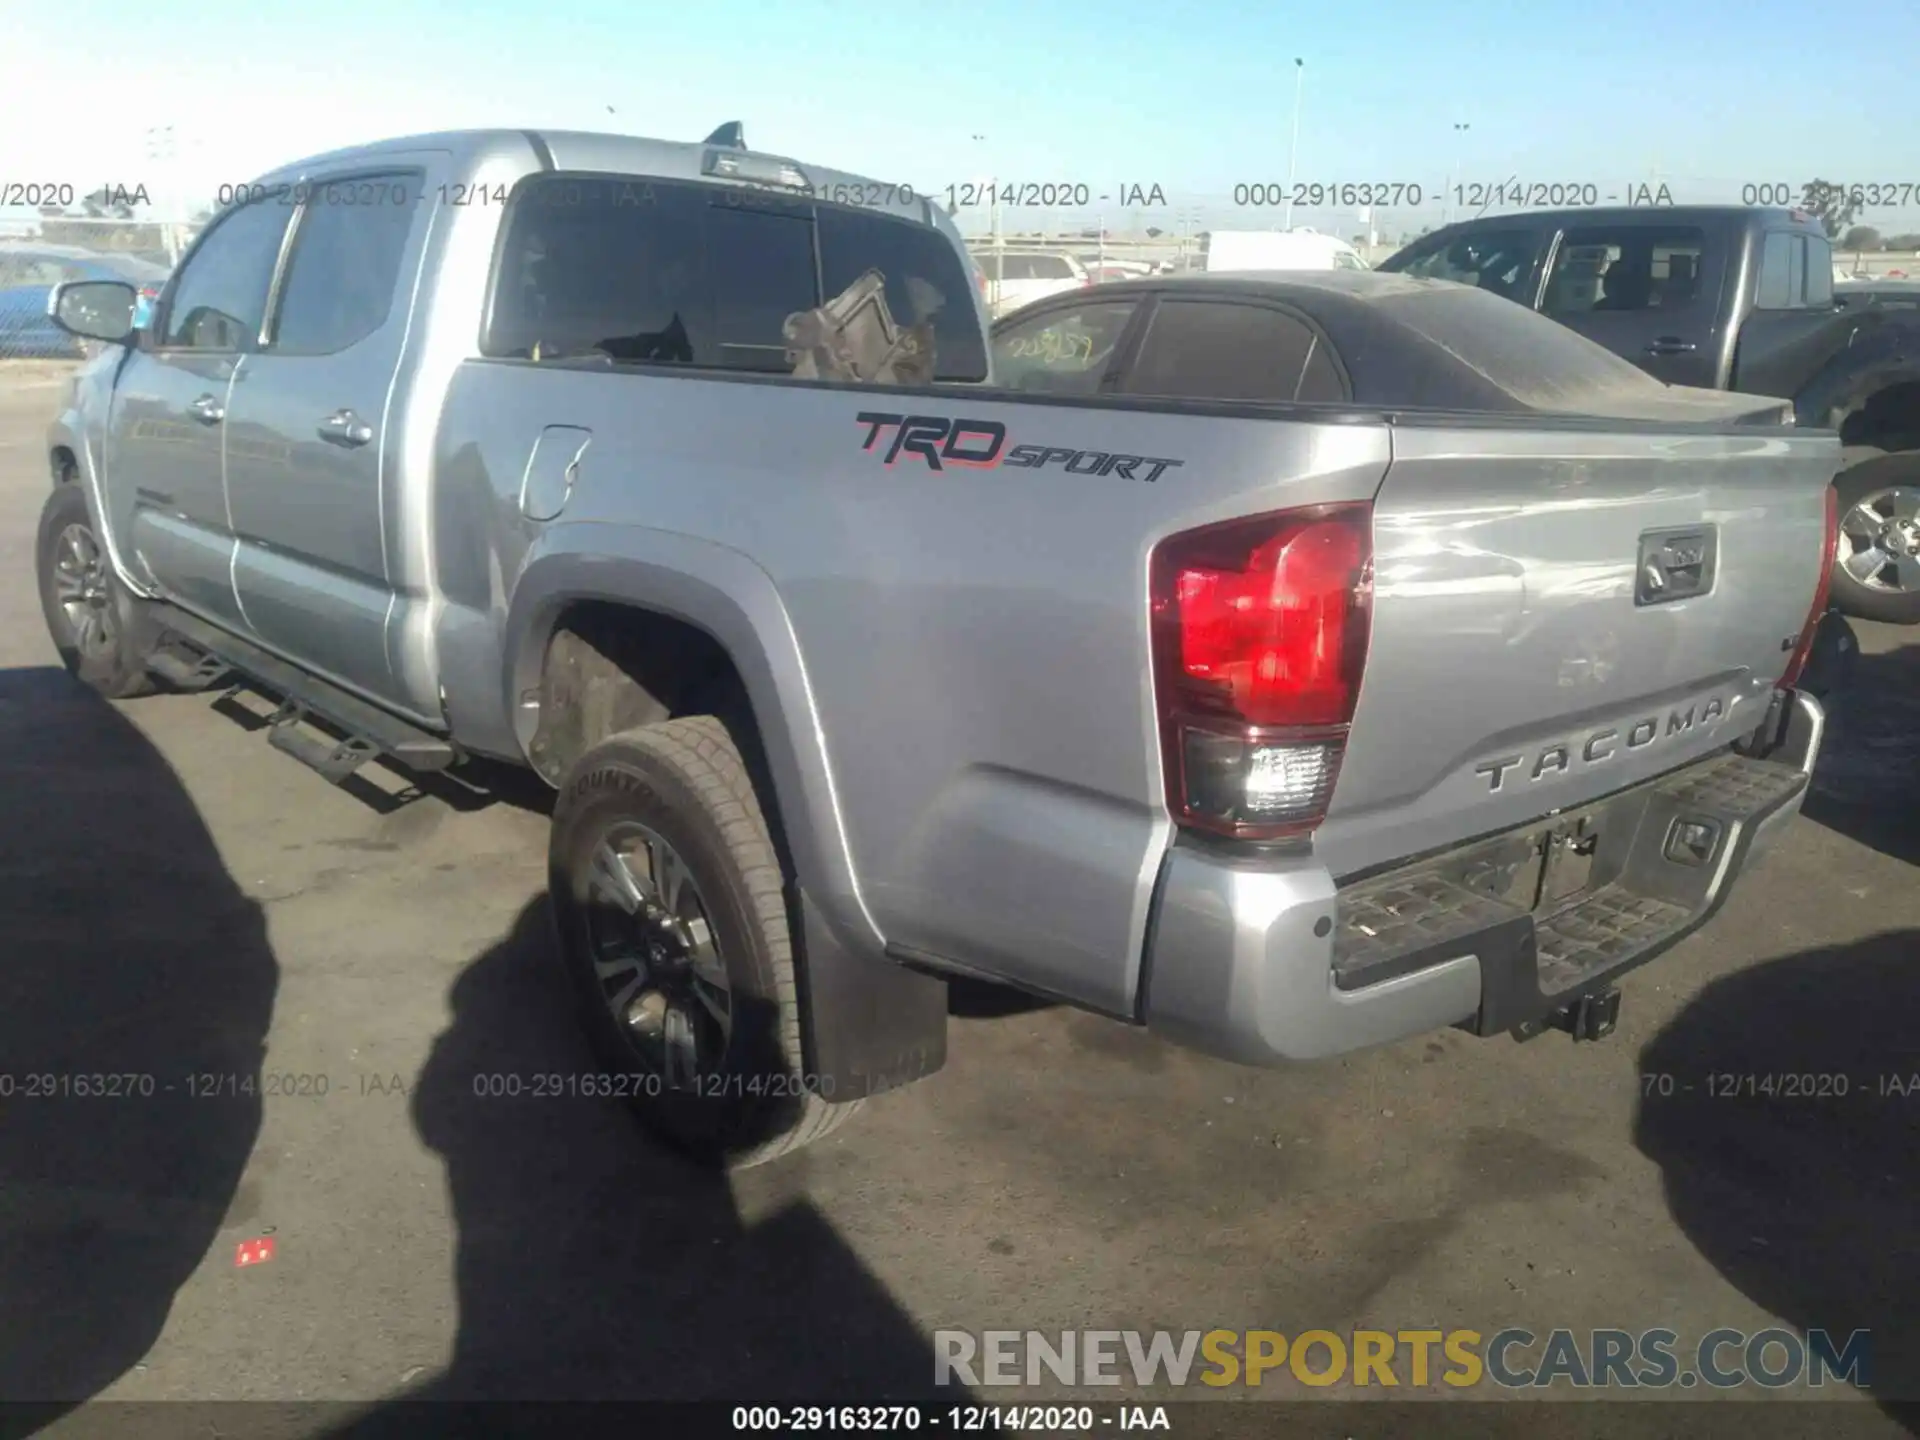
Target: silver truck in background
point(1442, 693)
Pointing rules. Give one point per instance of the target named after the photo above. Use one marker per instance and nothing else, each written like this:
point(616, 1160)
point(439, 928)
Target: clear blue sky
point(1191, 96)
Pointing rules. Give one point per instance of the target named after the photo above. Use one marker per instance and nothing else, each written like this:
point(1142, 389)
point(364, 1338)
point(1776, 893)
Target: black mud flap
point(1833, 659)
point(868, 1025)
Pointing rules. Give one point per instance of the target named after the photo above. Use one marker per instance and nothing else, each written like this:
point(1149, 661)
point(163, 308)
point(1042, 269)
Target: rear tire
point(1876, 562)
point(94, 620)
point(671, 906)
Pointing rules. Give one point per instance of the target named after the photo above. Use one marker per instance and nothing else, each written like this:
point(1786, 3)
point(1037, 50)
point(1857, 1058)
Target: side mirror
point(94, 309)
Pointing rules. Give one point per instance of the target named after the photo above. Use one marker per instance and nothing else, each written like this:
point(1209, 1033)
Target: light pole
point(162, 146)
point(1460, 129)
point(993, 231)
point(1293, 151)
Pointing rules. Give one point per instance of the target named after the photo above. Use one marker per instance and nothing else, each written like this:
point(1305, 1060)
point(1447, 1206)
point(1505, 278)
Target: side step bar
point(187, 669)
point(370, 731)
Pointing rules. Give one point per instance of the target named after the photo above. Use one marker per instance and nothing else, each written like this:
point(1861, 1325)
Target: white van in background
point(1279, 250)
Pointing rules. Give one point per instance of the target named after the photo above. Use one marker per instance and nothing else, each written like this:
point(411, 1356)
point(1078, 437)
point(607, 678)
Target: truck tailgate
point(1535, 643)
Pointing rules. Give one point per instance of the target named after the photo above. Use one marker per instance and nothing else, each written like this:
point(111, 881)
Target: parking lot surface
point(182, 902)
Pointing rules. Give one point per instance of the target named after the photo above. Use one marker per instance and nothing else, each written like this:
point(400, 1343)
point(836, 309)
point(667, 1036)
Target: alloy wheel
point(83, 591)
point(1879, 541)
point(656, 957)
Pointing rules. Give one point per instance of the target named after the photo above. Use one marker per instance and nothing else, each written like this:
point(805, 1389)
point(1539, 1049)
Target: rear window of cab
point(645, 271)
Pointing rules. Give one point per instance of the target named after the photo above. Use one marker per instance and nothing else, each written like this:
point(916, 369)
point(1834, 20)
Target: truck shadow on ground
point(1867, 783)
point(1783, 1108)
point(595, 1265)
point(135, 976)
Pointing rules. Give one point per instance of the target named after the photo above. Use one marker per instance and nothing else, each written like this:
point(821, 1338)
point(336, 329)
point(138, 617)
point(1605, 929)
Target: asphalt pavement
point(181, 902)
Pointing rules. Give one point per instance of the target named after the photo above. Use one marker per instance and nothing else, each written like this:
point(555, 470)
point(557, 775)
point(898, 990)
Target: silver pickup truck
point(1438, 691)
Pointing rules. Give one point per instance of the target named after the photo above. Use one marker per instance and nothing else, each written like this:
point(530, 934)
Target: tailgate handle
point(1675, 564)
point(1671, 345)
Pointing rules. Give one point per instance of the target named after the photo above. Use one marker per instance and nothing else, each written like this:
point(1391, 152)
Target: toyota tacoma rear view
point(1440, 689)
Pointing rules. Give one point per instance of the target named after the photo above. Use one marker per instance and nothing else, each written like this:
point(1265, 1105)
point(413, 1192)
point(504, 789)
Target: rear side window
point(1215, 350)
point(1320, 382)
point(1796, 272)
point(345, 264)
point(638, 270)
point(1626, 267)
point(1819, 272)
point(1776, 267)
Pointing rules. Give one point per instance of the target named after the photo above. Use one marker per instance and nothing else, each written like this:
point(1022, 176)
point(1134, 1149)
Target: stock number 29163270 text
point(892, 1419)
point(1314, 192)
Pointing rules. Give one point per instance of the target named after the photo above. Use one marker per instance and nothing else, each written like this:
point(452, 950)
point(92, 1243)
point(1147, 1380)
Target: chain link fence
point(37, 254)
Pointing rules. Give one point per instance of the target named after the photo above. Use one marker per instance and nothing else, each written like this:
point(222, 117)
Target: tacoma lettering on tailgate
point(1600, 746)
point(982, 445)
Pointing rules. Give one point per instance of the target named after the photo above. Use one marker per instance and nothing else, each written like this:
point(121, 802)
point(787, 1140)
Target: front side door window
point(219, 301)
point(166, 438)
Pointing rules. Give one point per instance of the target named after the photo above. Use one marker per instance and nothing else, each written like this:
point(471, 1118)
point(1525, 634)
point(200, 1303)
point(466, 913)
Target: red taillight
point(1821, 591)
point(1259, 638)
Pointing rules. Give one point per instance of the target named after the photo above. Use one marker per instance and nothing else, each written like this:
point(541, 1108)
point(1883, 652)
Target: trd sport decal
point(977, 445)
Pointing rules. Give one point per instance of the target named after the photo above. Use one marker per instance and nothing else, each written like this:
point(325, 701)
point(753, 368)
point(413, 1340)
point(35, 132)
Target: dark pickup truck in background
point(1732, 298)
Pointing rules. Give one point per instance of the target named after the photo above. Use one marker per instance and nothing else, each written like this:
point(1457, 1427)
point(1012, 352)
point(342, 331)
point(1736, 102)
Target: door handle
point(343, 427)
point(207, 410)
point(1671, 345)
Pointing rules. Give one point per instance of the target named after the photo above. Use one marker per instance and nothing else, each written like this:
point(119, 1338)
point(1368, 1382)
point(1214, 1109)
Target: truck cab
point(1731, 298)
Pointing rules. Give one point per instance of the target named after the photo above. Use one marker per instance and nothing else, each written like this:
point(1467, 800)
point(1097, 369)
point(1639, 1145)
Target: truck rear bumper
point(1258, 962)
